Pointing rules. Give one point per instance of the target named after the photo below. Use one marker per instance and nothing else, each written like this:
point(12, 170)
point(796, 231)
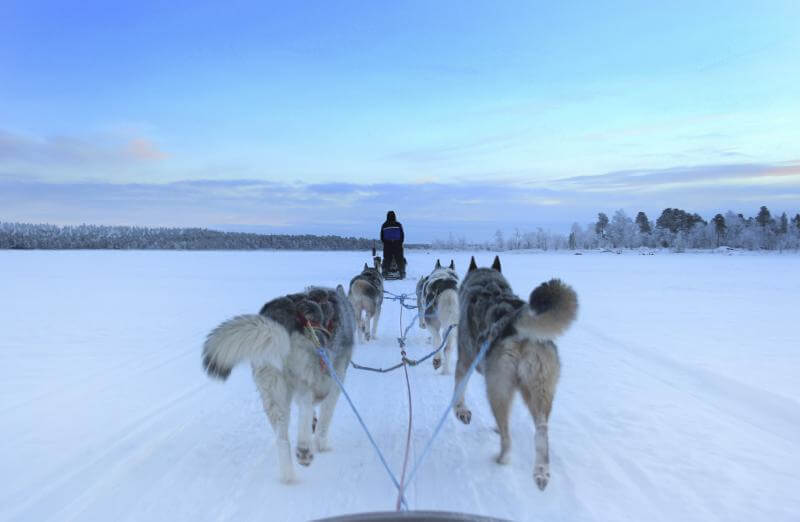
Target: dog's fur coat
point(437, 299)
point(366, 296)
point(521, 355)
point(286, 365)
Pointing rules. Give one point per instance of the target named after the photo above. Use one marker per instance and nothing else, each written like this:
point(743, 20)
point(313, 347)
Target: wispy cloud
point(144, 149)
point(63, 150)
point(431, 210)
point(666, 179)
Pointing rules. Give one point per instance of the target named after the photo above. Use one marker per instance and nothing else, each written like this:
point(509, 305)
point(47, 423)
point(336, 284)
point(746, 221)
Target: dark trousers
point(393, 250)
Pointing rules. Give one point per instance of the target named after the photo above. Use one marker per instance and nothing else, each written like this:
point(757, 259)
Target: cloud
point(429, 210)
point(144, 149)
point(104, 149)
point(684, 176)
point(457, 151)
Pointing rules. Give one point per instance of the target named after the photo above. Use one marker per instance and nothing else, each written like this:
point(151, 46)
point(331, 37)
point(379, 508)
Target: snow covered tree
point(621, 230)
point(499, 242)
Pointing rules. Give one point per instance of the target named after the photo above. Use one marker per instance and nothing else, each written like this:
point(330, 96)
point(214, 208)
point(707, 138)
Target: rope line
point(456, 394)
point(402, 298)
point(408, 434)
point(400, 489)
point(411, 362)
point(405, 362)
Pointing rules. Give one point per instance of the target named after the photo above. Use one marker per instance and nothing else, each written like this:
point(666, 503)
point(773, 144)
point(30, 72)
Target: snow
point(679, 397)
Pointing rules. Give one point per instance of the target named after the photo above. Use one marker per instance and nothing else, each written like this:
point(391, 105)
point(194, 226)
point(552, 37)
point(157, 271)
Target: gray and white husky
point(366, 296)
point(521, 354)
point(437, 298)
point(281, 342)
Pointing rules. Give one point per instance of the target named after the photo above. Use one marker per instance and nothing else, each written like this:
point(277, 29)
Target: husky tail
point(251, 337)
point(552, 308)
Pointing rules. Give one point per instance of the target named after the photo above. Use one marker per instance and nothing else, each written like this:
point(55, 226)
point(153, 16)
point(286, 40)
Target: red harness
point(306, 323)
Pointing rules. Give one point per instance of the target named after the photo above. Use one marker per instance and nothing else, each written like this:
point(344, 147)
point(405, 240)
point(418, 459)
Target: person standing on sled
point(392, 237)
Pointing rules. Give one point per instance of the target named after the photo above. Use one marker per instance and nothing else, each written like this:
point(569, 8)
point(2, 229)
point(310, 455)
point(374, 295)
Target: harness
point(310, 329)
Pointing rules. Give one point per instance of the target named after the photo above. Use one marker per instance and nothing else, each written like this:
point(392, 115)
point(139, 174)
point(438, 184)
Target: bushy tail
point(245, 337)
point(552, 308)
point(447, 308)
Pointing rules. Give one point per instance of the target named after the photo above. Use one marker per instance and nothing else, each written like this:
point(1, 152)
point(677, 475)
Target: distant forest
point(24, 236)
point(675, 229)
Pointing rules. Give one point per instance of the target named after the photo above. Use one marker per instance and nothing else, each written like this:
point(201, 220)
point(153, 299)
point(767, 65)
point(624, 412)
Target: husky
point(366, 296)
point(281, 344)
point(521, 354)
point(437, 298)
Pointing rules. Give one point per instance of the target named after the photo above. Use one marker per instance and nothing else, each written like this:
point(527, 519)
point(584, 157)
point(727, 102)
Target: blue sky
point(462, 116)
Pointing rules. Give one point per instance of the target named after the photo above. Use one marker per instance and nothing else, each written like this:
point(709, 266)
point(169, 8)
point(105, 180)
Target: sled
point(411, 516)
point(390, 270)
point(393, 271)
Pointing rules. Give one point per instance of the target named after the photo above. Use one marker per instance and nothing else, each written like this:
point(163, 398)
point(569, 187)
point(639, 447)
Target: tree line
point(675, 228)
point(27, 236)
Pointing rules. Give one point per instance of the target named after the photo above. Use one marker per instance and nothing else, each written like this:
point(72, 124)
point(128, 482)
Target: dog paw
point(541, 476)
point(322, 444)
point(503, 458)
point(437, 361)
point(464, 415)
point(314, 424)
point(304, 456)
point(367, 336)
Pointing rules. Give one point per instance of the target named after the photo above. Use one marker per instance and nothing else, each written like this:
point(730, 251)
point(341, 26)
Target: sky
point(463, 117)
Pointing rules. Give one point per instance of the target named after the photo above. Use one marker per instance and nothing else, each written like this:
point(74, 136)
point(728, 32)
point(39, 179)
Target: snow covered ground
point(679, 397)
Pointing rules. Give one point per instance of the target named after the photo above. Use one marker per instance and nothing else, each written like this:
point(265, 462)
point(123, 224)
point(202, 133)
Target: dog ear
point(496, 264)
point(438, 264)
point(472, 265)
point(452, 265)
point(365, 266)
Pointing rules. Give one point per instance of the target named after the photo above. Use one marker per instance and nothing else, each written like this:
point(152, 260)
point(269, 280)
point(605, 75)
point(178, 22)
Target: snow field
point(678, 398)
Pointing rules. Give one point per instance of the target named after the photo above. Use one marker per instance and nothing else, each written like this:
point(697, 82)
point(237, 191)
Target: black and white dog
point(521, 354)
point(437, 299)
point(281, 344)
point(366, 296)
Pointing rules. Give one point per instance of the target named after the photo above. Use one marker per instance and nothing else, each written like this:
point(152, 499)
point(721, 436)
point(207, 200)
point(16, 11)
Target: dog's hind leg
point(326, 414)
point(538, 379)
point(500, 388)
point(360, 323)
point(541, 472)
point(277, 398)
point(437, 342)
point(460, 409)
point(368, 318)
point(448, 351)
point(304, 451)
point(375, 322)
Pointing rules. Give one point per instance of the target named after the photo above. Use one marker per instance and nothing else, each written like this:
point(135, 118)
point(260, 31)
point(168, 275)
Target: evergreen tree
point(764, 218)
point(719, 226)
point(643, 222)
point(783, 226)
point(602, 223)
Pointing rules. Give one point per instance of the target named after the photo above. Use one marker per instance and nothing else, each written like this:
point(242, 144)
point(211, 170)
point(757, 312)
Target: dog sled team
point(283, 340)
